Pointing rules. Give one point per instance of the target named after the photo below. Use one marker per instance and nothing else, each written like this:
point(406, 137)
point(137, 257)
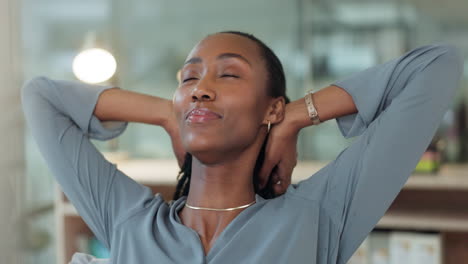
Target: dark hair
point(276, 87)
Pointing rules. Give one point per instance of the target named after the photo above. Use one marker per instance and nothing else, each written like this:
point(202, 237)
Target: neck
point(220, 184)
point(224, 185)
point(226, 182)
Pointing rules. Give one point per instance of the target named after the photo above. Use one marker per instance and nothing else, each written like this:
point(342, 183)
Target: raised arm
point(122, 105)
point(400, 105)
point(60, 116)
point(330, 102)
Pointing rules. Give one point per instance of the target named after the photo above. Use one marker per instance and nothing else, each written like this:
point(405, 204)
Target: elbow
point(32, 87)
point(452, 58)
point(31, 93)
point(32, 84)
point(448, 70)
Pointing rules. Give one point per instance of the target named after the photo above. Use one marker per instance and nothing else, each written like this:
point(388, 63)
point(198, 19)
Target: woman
point(236, 86)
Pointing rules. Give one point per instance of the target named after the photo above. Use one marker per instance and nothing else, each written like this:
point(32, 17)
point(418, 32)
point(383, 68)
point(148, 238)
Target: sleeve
point(400, 106)
point(60, 116)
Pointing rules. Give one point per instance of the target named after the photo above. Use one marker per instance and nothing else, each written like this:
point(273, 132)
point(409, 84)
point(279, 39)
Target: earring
point(269, 125)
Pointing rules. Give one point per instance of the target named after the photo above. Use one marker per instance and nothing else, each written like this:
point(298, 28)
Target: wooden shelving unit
point(429, 202)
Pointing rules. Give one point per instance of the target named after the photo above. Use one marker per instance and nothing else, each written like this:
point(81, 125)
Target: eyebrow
point(222, 56)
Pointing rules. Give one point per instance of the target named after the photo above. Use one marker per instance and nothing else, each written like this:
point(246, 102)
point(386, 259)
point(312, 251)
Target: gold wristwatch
point(311, 108)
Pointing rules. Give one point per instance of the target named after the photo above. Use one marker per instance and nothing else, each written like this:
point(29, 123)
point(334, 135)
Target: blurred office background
point(318, 42)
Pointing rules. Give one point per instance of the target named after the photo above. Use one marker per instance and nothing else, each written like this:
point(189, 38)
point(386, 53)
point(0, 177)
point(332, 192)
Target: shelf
point(449, 177)
point(424, 221)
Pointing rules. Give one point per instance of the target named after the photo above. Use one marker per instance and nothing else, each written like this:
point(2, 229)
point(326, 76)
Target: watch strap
point(313, 114)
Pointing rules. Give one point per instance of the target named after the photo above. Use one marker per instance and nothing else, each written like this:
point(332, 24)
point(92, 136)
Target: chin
point(207, 157)
point(205, 150)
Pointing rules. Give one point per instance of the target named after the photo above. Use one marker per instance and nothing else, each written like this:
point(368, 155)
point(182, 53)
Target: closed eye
point(229, 75)
point(189, 79)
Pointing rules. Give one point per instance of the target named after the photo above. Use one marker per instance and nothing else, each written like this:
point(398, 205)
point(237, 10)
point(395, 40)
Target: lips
point(202, 114)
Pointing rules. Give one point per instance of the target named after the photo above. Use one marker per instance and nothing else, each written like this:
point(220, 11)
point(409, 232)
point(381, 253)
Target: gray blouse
point(321, 219)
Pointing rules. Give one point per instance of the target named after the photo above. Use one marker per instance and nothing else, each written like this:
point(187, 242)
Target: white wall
point(11, 139)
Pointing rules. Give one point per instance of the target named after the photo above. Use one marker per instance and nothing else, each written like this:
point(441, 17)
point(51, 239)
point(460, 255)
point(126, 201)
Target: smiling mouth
point(201, 115)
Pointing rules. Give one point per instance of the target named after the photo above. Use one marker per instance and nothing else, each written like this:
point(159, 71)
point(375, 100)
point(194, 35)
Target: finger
point(273, 179)
point(278, 187)
point(286, 173)
point(287, 178)
point(276, 182)
point(265, 169)
point(269, 163)
point(266, 172)
point(262, 178)
point(283, 178)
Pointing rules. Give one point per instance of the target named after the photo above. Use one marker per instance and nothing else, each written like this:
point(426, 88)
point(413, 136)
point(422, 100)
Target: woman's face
point(225, 75)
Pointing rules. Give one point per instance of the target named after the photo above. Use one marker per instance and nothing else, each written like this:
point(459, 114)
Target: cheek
point(244, 117)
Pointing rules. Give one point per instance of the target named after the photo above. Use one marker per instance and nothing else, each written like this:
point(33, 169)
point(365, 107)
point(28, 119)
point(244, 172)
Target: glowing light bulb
point(94, 65)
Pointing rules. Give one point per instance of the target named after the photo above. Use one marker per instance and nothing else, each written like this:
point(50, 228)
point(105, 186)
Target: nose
point(203, 92)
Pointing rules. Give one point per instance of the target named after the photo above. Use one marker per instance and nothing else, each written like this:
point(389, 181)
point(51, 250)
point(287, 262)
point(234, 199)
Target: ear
point(276, 110)
point(179, 76)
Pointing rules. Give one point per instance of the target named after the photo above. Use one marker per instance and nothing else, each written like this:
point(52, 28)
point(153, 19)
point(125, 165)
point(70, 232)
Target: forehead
point(220, 43)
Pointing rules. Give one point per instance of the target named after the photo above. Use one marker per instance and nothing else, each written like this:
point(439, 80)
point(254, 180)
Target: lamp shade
point(94, 65)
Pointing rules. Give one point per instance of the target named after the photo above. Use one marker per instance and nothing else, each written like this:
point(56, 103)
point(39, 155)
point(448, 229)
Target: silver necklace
point(222, 209)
